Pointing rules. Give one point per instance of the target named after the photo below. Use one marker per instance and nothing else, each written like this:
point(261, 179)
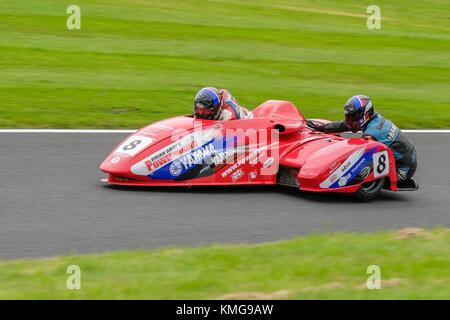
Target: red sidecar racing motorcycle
point(275, 147)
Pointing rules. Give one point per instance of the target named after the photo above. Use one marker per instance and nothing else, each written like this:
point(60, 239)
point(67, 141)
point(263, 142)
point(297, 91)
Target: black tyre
point(369, 190)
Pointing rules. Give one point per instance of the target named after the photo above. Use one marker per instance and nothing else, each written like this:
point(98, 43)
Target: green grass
point(137, 61)
point(329, 266)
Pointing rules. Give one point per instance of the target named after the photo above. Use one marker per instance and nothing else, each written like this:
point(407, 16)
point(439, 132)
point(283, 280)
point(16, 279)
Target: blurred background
point(137, 61)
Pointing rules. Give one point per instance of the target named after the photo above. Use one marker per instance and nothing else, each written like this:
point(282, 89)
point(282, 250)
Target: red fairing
point(274, 147)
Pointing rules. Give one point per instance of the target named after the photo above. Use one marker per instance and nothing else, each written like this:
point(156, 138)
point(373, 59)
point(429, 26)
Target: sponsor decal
point(257, 153)
point(392, 132)
point(343, 181)
point(364, 173)
point(197, 156)
point(334, 166)
point(347, 165)
point(357, 168)
point(184, 163)
point(237, 174)
point(222, 157)
point(268, 162)
point(166, 155)
point(343, 168)
point(175, 168)
point(401, 173)
point(253, 157)
point(115, 160)
point(333, 177)
point(252, 175)
point(381, 125)
point(174, 150)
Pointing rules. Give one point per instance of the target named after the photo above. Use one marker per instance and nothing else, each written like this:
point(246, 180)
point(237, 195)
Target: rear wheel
point(369, 190)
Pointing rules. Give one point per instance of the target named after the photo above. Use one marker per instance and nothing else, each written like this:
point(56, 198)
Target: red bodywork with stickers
point(275, 147)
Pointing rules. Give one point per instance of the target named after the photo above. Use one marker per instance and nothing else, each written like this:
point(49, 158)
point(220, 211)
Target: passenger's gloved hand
point(314, 126)
point(310, 124)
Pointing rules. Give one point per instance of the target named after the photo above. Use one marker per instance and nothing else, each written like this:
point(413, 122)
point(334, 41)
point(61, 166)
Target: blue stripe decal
point(186, 162)
point(354, 170)
point(212, 94)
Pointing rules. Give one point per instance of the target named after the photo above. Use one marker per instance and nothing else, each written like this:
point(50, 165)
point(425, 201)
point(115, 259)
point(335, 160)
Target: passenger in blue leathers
point(360, 115)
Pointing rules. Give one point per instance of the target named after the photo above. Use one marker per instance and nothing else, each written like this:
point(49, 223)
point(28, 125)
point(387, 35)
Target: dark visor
point(352, 120)
point(203, 113)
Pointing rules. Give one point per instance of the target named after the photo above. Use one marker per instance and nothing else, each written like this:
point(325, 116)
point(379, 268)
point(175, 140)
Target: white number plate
point(134, 145)
point(380, 164)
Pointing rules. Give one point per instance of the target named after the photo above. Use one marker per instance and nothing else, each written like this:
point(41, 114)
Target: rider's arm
point(333, 127)
point(225, 115)
point(232, 106)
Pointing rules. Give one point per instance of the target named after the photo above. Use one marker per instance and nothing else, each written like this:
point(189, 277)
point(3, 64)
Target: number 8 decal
point(380, 164)
point(134, 145)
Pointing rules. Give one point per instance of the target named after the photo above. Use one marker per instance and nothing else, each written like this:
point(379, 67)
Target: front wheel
point(369, 190)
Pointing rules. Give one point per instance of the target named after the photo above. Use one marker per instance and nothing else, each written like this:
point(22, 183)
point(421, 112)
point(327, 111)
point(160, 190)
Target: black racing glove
point(314, 126)
point(310, 124)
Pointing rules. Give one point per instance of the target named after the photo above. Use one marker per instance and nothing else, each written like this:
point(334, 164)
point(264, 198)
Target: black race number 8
point(132, 145)
point(381, 164)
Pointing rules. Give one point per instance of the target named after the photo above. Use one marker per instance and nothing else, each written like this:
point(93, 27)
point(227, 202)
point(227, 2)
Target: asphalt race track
point(52, 202)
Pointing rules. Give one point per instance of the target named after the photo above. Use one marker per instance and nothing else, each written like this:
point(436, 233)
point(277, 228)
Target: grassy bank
point(138, 61)
point(413, 265)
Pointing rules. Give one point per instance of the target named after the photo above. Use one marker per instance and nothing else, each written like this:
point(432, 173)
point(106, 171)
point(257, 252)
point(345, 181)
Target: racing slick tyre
point(369, 190)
